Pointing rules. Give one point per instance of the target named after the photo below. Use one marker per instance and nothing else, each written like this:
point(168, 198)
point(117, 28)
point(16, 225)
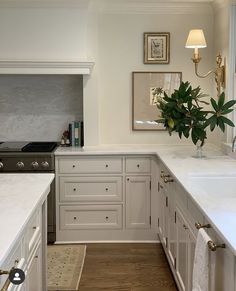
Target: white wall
point(121, 52)
point(43, 33)
point(114, 40)
point(223, 43)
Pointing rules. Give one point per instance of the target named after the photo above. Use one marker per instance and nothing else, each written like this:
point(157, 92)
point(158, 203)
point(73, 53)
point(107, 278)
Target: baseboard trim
point(107, 241)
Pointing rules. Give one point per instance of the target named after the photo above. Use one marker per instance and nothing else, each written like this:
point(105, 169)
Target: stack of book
point(76, 133)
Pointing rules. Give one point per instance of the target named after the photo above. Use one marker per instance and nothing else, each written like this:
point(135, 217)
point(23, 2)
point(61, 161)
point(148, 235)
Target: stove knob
point(35, 165)
point(20, 165)
point(1, 165)
point(45, 164)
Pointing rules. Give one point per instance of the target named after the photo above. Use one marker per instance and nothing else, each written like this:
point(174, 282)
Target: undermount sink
point(216, 186)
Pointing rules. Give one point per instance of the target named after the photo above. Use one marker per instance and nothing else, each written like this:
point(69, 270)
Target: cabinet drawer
point(91, 217)
point(15, 259)
point(138, 165)
point(93, 189)
point(90, 165)
point(33, 232)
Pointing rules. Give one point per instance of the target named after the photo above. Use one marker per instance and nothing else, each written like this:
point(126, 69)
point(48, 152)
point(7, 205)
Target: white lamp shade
point(196, 39)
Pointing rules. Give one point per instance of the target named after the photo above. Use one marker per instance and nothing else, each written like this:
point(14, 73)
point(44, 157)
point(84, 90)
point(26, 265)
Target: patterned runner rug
point(65, 264)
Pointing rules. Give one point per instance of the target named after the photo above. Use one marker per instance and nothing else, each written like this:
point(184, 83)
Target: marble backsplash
point(39, 107)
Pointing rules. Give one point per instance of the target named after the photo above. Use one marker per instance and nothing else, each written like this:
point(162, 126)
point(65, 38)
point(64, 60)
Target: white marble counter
point(20, 195)
point(220, 211)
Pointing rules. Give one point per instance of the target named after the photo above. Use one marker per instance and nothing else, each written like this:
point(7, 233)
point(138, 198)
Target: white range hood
point(68, 67)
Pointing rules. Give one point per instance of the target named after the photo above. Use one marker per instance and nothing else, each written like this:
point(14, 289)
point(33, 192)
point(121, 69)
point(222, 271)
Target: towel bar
point(199, 225)
point(212, 246)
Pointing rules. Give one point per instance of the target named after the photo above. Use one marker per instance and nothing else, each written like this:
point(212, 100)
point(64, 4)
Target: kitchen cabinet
point(34, 270)
point(104, 198)
point(185, 245)
point(174, 230)
point(138, 199)
point(222, 266)
point(29, 254)
point(177, 215)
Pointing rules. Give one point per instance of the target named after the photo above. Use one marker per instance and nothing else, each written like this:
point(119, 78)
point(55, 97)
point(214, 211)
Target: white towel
point(201, 262)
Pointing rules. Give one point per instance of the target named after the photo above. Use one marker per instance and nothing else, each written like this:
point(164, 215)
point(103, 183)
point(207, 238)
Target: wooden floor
point(126, 267)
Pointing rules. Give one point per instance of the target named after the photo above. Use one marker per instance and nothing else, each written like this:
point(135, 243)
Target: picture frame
point(156, 47)
point(146, 88)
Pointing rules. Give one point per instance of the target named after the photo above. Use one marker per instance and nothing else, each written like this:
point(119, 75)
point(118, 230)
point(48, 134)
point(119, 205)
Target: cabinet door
point(163, 214)
point(222, 266)
point(182, 250)
point(172, 234)
point(138, 195)
point(34, 271)
point(191, 252)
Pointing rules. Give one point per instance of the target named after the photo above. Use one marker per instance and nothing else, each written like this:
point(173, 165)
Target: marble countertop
point(20, 195)
point(180, 160)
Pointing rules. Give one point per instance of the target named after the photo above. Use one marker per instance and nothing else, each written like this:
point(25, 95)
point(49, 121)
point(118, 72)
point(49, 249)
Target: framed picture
point(147, 87)
point(156, 48)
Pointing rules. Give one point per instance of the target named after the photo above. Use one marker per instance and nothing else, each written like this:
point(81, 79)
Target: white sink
point(215, 186)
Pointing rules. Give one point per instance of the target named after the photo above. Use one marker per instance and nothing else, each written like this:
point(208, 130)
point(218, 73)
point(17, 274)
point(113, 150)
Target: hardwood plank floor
point(126, 267)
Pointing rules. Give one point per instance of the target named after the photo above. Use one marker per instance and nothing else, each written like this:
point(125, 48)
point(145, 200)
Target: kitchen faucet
point(233, 144)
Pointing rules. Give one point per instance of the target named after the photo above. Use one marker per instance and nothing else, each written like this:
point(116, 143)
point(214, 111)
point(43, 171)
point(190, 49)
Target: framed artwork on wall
point(156, 47)
point(147, 87)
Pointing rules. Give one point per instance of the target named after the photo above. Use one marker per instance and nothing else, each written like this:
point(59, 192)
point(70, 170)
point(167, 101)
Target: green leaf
point(221, 124)
point(214, 104)
point(221, 100)
point(228, 104)
point(227, 111)
point(227, 121)
point(194, 137)
point(213, 122)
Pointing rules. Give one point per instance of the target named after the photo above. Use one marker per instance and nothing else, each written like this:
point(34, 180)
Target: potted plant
point(183, 112)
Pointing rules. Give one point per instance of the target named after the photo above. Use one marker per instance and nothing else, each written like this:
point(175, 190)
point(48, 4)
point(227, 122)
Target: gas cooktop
point(33, 147)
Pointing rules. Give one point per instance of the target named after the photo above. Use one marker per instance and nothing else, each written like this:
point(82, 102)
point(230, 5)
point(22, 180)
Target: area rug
point(65, 264)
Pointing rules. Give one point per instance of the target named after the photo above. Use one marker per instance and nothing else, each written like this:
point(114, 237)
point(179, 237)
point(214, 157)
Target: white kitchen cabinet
point(104, 198)
point(91, 189)
point(177, 215)
point(163, 214)
point(34, 270)
point(138, 199)
point(27, 254)
point(91, 217)
point(222, 266)
point(185, 251)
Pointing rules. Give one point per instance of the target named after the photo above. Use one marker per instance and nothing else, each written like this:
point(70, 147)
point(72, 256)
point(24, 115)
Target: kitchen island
point(23, 210)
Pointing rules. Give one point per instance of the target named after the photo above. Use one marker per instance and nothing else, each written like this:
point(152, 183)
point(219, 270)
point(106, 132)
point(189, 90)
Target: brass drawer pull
point(199, 225)
point(168, 180)
point(6, 285)
point(213, 247)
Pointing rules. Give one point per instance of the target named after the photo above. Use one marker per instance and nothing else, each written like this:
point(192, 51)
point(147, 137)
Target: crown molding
point(44, 3)
point(33, 67)
point(150, 7)
point(220, 4)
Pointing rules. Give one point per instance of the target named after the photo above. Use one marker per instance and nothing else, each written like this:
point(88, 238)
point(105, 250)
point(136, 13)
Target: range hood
point(67, 67)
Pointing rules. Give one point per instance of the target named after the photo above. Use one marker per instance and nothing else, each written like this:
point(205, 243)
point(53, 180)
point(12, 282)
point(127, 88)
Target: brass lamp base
point(219, 71)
